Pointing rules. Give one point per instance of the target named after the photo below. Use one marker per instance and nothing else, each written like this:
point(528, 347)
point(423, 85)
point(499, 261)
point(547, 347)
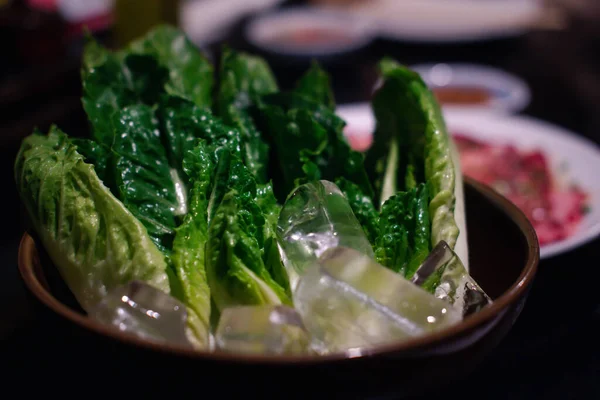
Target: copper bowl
point(504, 255)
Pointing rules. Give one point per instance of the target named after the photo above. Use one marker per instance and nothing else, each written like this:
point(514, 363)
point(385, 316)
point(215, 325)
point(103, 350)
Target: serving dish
point(503, 258)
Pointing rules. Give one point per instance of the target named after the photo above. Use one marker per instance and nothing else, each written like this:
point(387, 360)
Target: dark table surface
point(553, 351)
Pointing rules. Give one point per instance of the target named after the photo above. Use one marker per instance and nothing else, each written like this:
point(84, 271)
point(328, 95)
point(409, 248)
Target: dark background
point(553, 351)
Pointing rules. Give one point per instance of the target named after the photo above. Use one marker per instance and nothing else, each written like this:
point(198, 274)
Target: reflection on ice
point(317, 217)
point(347, 301)
point(455, 285)
point(262, 330)
point(144, 311)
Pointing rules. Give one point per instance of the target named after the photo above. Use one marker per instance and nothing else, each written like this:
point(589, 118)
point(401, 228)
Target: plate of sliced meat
point(550, 173)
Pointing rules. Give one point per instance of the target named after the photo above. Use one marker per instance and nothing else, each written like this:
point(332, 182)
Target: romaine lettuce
point(243, 79)
point(235, 267)
point(190, 74)
point(91, 237)
point(411, 137)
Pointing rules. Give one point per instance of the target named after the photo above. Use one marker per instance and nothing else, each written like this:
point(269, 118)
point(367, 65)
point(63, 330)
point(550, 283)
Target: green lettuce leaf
point(362, 207)
point(243, 79)
point(183, 123)
point(307, 144)
point(316, 86)
point(403, 243)
point(100, 157)
point(188, 255)
point(143, 176)
point(265, 198)
point(190, 74)
point(411, 145)
point(234, 261)
point(113, 81)
point(93, 240)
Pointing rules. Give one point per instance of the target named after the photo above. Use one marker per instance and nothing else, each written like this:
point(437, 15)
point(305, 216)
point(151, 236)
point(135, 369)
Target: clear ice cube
point(455, 286)
point(315, 217)
point(262, 330)
point(144, 311)
point(348, 301)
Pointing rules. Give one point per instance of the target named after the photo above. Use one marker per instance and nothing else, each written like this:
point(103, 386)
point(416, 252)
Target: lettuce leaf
point(316, 86)
point(265, 199)
point(99, 156)
point(243, 79)
point(188, 246)
point(190, 74)
point(307, 144)
point(411, 136)
point(91, 237)
point(362, 207)
point(235, 267)
point(142, 173)
point(113, 81)
point(183, 123)
point(306, 138)
point(404, 225)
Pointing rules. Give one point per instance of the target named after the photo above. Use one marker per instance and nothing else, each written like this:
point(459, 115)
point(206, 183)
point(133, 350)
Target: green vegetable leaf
point(190, 74)
point(411, 146)
point(230, 173)
point(143, 176)
point(307, 144)
point(403, 243)
point(320, 112)
point(315, 85)
point(112, 81)
point(183, 123)
point(362, 207)
point(296, 139)
point(189, 245)
point(100, 157)
point(234, 265)
point(93, 240)
point(243, 79)
point(422, 230)
point(265, 198)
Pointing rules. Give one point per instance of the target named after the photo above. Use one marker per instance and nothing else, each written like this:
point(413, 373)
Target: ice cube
point(349, 302)
point(455, 286)
point(316, 217)
point(262, 330)
point(144, 311)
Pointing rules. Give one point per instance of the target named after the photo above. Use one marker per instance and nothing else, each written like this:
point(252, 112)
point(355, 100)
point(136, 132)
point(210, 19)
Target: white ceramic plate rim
point(560, 145)
point(300, 16)
point(516, 92)
point(444, 21)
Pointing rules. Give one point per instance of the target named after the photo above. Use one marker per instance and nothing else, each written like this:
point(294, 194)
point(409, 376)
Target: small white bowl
point(507, 93)
point(266, 31)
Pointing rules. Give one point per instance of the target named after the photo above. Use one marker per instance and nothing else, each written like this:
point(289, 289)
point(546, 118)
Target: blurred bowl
point(504, 255)
point(308, 32)
point(449, 21)
point(475, 86)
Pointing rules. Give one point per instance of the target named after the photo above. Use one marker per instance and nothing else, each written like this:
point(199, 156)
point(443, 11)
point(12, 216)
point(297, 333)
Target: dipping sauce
point(462, 95)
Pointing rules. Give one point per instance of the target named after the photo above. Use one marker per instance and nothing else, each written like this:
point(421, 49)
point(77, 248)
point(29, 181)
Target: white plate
point(562, 147)
point(267, 26)
point(208, 21)
point(449, 20)
point(508, 92)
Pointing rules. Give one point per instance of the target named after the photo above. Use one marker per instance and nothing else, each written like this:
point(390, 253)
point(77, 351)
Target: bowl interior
point(503, 258)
